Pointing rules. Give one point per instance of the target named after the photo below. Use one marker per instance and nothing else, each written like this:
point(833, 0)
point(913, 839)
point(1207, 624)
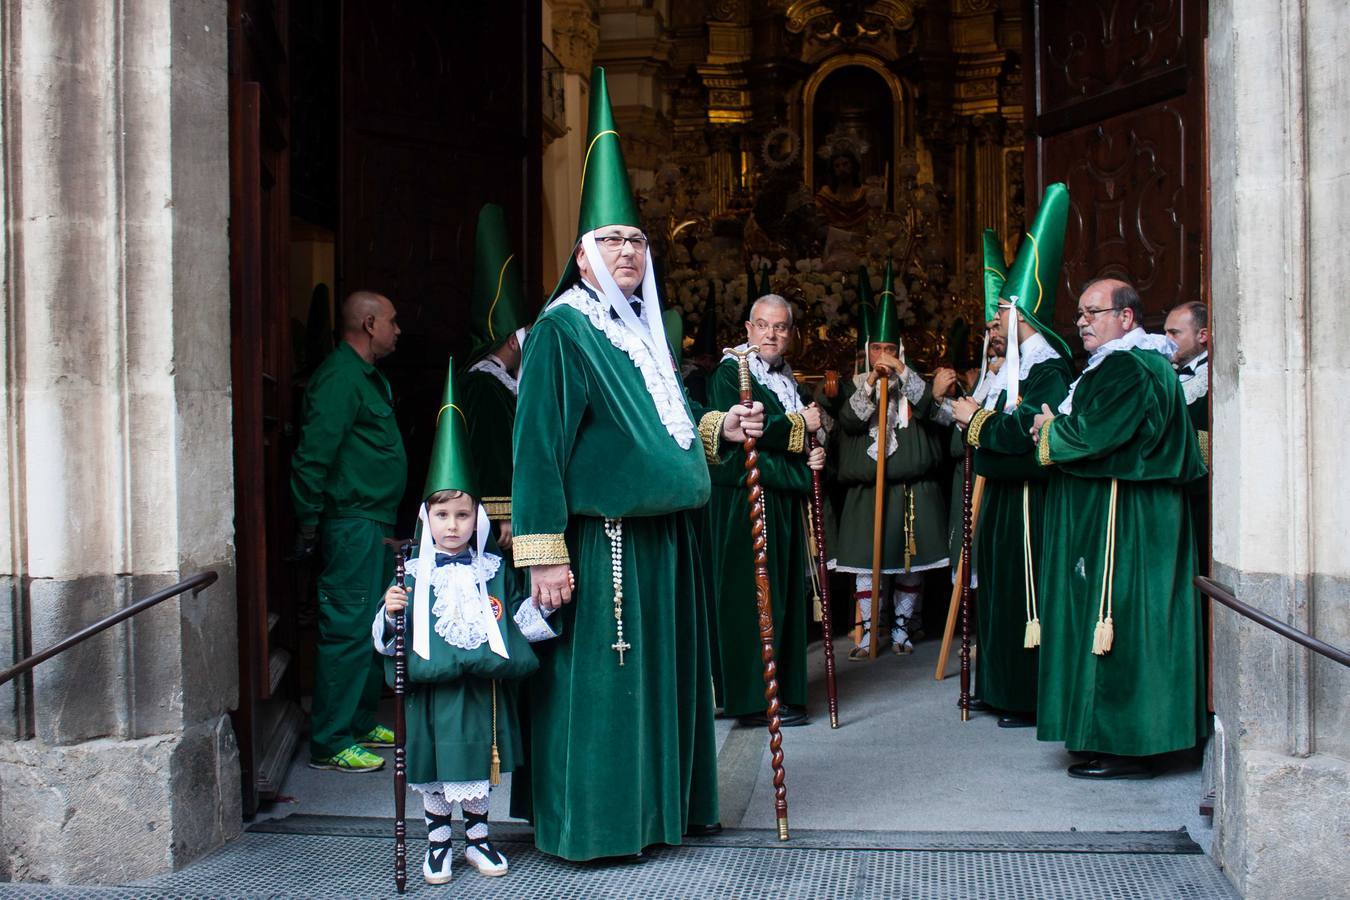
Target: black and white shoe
point(478, 852)
point(436, 863)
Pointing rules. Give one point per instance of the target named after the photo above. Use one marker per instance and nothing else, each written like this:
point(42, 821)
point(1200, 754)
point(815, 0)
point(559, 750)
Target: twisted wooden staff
point(966, 532)
point(760, 546)
point(823, 576)
point(400, 730)
point(879, 508)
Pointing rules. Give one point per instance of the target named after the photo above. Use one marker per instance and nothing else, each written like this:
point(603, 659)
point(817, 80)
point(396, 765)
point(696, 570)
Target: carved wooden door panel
point(1116, 110)
point(440, 114)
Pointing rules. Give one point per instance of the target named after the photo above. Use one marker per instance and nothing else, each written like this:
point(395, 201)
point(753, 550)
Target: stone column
point(574, 34)
point(635, 50)
point(1280, 188)
point(117, 759)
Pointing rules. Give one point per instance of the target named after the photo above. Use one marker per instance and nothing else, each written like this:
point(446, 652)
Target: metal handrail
point(195, 583)
point(1224, 594)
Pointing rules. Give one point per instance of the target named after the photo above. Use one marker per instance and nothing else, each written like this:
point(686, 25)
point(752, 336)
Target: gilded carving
point(576, 34)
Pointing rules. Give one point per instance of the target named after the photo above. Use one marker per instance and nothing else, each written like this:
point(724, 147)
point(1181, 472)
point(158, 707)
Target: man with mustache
point(785, 468)
point(611, 469)
point(1121, 669)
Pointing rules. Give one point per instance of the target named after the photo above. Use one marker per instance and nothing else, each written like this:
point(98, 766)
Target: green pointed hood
point(886, 328)
point(497, 304)
point(764, 287)
point(705, 339)
point(1031, 280)
point(865, 307)
point(995, 273)
point(606, 196)
point(451, 468)
point(674, 324)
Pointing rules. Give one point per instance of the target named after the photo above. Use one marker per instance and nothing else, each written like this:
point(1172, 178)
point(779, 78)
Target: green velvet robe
point(1147, 695)
point(622, 756)
point(911, 471)
point(490, 409)
point(787, 483)
point(449, 723)
point(1006, 457)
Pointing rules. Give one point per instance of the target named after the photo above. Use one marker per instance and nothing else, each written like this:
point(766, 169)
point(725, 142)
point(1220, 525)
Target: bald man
point(347, 477)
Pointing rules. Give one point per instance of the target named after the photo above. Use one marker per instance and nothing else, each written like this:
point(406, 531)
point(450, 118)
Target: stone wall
point(1279, 108)
point(117, 758)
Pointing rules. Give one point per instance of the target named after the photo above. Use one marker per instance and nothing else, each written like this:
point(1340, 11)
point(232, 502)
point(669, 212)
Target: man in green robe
point(914, 536)
point(611, 471)
point(785, 476)
point(1008, 542)
point(347, 477)
point(498, 328)
point(1121, 667)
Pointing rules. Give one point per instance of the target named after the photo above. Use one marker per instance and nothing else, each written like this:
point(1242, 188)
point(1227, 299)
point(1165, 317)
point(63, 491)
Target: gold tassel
point(495, 772)
point(1032, 639)
point(1104, 635)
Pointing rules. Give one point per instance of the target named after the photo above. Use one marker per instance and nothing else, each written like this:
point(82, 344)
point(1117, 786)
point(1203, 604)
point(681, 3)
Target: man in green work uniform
point(785, 475)
point(1121, 668)
point(498, 328)
point(611, 470)
point(1008, 542)
point(347, 476)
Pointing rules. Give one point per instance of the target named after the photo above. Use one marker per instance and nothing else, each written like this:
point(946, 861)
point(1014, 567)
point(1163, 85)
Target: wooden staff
point(823, 576)
point(967, 490)
point(400, 730)
point(879, 510)
point(763, 600)
point(954, 606)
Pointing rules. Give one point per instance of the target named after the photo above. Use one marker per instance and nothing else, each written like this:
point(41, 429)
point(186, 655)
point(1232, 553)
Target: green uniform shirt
point(350, 461)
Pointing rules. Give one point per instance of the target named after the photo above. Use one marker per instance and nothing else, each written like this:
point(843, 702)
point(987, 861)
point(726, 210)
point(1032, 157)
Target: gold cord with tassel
point(495, 773)
point(1105, 633)
point(1032, 638)
point(911, 541)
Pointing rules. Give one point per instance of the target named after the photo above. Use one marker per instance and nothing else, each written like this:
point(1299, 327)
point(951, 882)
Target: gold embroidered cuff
point(498, 508)
point(976, 426)
point(539, 550)
point(710, 430)
point(1043, 448)
point(797, 436)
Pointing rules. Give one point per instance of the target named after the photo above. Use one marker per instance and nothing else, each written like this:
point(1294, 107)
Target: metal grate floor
point(272, 864)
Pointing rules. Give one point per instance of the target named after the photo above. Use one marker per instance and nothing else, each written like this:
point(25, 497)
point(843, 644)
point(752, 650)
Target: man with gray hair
point(785, 467)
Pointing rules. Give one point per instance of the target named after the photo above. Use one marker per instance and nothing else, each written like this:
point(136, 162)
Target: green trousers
point(349, 675)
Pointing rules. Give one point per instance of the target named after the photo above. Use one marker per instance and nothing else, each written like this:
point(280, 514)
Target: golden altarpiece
point(805, 139)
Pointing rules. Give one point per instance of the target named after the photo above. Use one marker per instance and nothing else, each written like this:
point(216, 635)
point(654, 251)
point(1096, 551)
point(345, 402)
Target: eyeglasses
point(1089, 313)
point(777, 327)
point(614, 242)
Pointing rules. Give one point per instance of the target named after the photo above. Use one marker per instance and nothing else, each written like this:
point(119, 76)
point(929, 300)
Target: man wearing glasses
point(785, 467)
point(611, 468)
point(1121, 672)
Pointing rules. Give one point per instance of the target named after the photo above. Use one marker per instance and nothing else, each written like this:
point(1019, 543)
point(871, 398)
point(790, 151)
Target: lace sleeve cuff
point(797, 436)
point(862, 404)
point(942, 412)
point(498, 508)
point(914, 386)
point(532, 624)
point(710, 430)
point(1043, 446)
point(539, 550)
point(976, 426)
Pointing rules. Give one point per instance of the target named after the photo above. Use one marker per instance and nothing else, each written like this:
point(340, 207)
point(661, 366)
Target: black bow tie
point(444, 559)
point(635, 304)
point(1185, 370)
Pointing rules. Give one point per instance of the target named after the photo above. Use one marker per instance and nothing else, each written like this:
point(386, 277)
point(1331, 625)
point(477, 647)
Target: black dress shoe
point(703, 830)
point(787, 718)
point(1105, 767)
point(1016, 720)
point(623, 859)
point(977, 705)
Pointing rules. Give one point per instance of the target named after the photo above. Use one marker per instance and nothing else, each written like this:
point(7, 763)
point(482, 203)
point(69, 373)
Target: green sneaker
point(353, 759)
point(379, 736)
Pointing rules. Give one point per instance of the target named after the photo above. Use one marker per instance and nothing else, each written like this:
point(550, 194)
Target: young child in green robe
point(469, 628)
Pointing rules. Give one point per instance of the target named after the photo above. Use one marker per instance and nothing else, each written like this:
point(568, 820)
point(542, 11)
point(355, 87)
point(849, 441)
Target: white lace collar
point(1195, 383)
point(1035, 349)
point(660, 380)
point(494, 367)
point(1158, 343)
point(780, 383)
point(458, 603)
